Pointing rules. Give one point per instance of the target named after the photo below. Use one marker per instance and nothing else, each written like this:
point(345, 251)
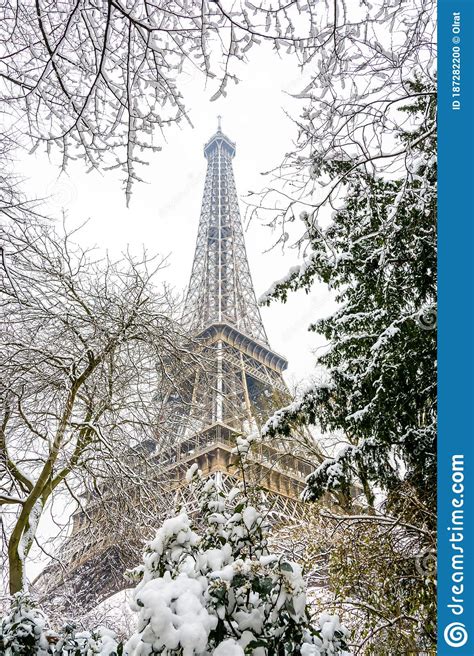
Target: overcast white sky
point(164, 212)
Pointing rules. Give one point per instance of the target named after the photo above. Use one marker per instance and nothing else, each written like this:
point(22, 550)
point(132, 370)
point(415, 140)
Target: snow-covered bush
point(24, 632)
point(99, 642)
point(208, 586)
point(212, 587)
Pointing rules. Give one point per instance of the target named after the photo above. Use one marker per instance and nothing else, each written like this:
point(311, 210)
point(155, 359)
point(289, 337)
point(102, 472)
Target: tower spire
point(221, 289)
point(219, 126)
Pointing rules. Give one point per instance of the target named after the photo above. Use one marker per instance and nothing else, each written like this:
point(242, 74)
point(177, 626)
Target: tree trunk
point(15, 561)
point(21, 541)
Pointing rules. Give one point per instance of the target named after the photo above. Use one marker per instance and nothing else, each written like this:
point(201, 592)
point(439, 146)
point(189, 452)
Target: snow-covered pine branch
point(378, 253)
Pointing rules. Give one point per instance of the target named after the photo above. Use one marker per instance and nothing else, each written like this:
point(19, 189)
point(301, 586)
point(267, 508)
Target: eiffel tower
point(239, 385)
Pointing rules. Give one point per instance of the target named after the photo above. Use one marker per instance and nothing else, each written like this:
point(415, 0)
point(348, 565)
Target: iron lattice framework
point(221, 289)
point(236, 386)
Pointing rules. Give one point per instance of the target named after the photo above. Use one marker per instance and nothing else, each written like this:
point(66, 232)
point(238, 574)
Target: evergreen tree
point(379, 254)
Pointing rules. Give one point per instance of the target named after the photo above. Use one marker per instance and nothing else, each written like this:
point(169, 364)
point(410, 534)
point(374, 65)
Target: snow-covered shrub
point(99, 642)
point(209, 587)
point(24, 632)
point(217, 589)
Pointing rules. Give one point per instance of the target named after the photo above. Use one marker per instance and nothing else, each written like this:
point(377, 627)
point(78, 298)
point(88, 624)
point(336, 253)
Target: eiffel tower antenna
point(239, 385)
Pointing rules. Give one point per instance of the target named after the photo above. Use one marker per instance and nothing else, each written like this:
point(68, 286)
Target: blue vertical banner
point(456, 328)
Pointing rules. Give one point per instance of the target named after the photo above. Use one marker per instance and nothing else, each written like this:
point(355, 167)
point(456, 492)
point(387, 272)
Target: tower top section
point(219, 139)
point(221, 292)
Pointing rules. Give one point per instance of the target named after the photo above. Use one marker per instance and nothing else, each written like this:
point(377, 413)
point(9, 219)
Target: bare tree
point(100, 79)
point(366, 63)
point(383, 580)
point(14, 206)
point(376, 571)
point(88, 345)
